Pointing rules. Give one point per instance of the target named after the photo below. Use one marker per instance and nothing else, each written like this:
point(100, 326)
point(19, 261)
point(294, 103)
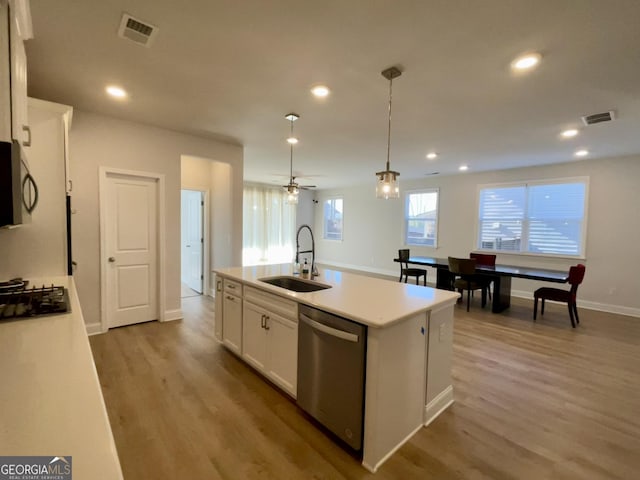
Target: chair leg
point(542, 308)
point(575, 313)
point(468, 299)
point(573, 322)
point(535, 308)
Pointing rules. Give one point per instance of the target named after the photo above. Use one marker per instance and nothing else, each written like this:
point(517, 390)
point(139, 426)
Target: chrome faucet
point(314, 270)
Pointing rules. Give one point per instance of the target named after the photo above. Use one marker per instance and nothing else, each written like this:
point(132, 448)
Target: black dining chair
point(464, 271)
point(405, 271)
point(576, 275)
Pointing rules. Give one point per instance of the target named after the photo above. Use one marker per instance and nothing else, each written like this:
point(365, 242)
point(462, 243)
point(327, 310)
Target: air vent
point(431, 173)
point(134, 29)
point(599, 117)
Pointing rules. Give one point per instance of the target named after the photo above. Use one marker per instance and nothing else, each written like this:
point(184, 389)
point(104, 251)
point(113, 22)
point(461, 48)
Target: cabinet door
point(254, 336)
point(217, 319)
point(20, 124)
point(282, 363)
point(232, 322)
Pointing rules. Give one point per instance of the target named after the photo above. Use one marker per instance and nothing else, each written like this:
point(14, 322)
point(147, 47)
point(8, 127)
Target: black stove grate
point(20, 301)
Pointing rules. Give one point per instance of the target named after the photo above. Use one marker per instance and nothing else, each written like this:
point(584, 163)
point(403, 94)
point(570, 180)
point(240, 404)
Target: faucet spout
point(314, 270)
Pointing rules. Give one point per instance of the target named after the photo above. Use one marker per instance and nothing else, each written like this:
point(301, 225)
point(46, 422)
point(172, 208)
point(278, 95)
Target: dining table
point(501, 276)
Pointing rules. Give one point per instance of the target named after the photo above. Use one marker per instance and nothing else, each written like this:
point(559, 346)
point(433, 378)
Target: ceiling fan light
point(292, 140)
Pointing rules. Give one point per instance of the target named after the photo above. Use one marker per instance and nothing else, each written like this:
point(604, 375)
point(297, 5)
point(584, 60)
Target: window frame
point(405, 221)
point(324, 220)
point(525, 227)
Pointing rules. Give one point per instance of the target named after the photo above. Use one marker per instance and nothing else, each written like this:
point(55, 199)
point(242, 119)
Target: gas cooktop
point(19, 300)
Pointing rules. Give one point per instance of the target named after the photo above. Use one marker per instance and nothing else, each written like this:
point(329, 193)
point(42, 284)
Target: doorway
point(192, 243)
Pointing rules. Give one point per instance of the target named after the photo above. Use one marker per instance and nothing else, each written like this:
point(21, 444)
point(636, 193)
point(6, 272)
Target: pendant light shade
point(292, 187)
point(388, 186)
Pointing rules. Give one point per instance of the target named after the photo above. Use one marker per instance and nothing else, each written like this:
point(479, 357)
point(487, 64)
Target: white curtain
point(269, 225)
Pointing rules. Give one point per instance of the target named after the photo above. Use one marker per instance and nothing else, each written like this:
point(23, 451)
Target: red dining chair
point(576, 275)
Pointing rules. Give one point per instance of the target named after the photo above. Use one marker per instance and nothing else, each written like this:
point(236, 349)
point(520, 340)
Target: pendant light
point(387, 186)
point(292, 187)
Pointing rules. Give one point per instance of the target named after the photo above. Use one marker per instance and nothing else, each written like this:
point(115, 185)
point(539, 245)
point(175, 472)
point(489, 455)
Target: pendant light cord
point(389, 132)
point(291, 157)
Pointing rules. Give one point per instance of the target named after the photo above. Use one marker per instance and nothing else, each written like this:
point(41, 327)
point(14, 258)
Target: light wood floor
point(533, 401)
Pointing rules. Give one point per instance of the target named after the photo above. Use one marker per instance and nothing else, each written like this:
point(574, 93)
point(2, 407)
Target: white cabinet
point(232, 315)
point(254, 336)
point(15, 28)
point(270, 337)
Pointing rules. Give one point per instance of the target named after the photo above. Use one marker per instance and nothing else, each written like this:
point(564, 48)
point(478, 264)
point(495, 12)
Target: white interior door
point(131, 248)
point(192, 239)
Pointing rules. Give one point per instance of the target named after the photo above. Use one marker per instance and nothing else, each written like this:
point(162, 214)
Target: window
point(421, 218)
point(332, 219)
point(268, 226)
point(540, 218)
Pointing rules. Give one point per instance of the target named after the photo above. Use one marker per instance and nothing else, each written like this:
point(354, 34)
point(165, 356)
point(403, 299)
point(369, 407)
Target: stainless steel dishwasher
point(331, 372)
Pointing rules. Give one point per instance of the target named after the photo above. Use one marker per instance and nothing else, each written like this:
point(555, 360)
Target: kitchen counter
point(367, 300)
point(50, 398)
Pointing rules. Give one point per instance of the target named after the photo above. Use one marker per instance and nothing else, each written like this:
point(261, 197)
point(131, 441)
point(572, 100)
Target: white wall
point(39, 248)
point(373, 229)
point(97, 141)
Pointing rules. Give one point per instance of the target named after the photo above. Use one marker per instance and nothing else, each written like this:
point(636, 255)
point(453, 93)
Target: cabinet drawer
point(273, 303)
point(233, 287)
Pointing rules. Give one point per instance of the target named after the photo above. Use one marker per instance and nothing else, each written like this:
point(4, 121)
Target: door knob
point(112, 259)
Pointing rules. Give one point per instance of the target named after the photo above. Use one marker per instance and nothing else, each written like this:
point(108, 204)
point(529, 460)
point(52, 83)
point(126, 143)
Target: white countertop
point(50, 397)
point(367, 300)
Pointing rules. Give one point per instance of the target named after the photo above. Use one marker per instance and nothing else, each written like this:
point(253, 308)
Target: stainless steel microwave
point(18, 189)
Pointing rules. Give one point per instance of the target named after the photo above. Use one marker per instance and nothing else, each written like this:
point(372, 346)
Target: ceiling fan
point(292, 188)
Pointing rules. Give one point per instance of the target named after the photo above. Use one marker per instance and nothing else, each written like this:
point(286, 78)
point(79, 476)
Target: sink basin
point(294, 284)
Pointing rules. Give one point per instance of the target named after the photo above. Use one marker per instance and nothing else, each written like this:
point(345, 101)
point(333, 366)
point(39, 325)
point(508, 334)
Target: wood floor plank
point(534, 400)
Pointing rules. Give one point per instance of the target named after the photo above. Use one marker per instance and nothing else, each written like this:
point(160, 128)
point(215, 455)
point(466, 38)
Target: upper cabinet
point(15, 19)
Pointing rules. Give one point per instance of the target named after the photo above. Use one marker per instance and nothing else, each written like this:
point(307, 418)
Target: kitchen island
point(408, 345)
point(50, 398)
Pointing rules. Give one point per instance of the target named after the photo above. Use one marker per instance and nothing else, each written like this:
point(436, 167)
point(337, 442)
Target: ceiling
point(231, 70)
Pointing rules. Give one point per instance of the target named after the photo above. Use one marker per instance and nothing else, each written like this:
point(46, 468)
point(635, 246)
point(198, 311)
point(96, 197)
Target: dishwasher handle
point(334, 332)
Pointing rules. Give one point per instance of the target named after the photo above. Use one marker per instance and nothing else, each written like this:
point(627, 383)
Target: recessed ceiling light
point(320, 91)
point(432, 155)
point(526, 62)
point(292, 140)
point(116, 92)
point(581, 153)
point(462, 168)
point(572, 132)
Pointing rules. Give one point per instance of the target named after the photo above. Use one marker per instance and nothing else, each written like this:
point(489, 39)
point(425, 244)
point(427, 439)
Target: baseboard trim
point(600, 307)
point(170, 315)
point(438, 405)
point(94, 328)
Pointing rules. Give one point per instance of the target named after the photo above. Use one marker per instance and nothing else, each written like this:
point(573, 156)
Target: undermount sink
point(294, 284)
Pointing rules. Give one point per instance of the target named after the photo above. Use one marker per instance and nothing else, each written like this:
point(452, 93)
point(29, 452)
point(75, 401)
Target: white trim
point(438, 405)
point(600, 307)
point(375, 467)
point(94, 328)
point(171, 315)
point(103, 172)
